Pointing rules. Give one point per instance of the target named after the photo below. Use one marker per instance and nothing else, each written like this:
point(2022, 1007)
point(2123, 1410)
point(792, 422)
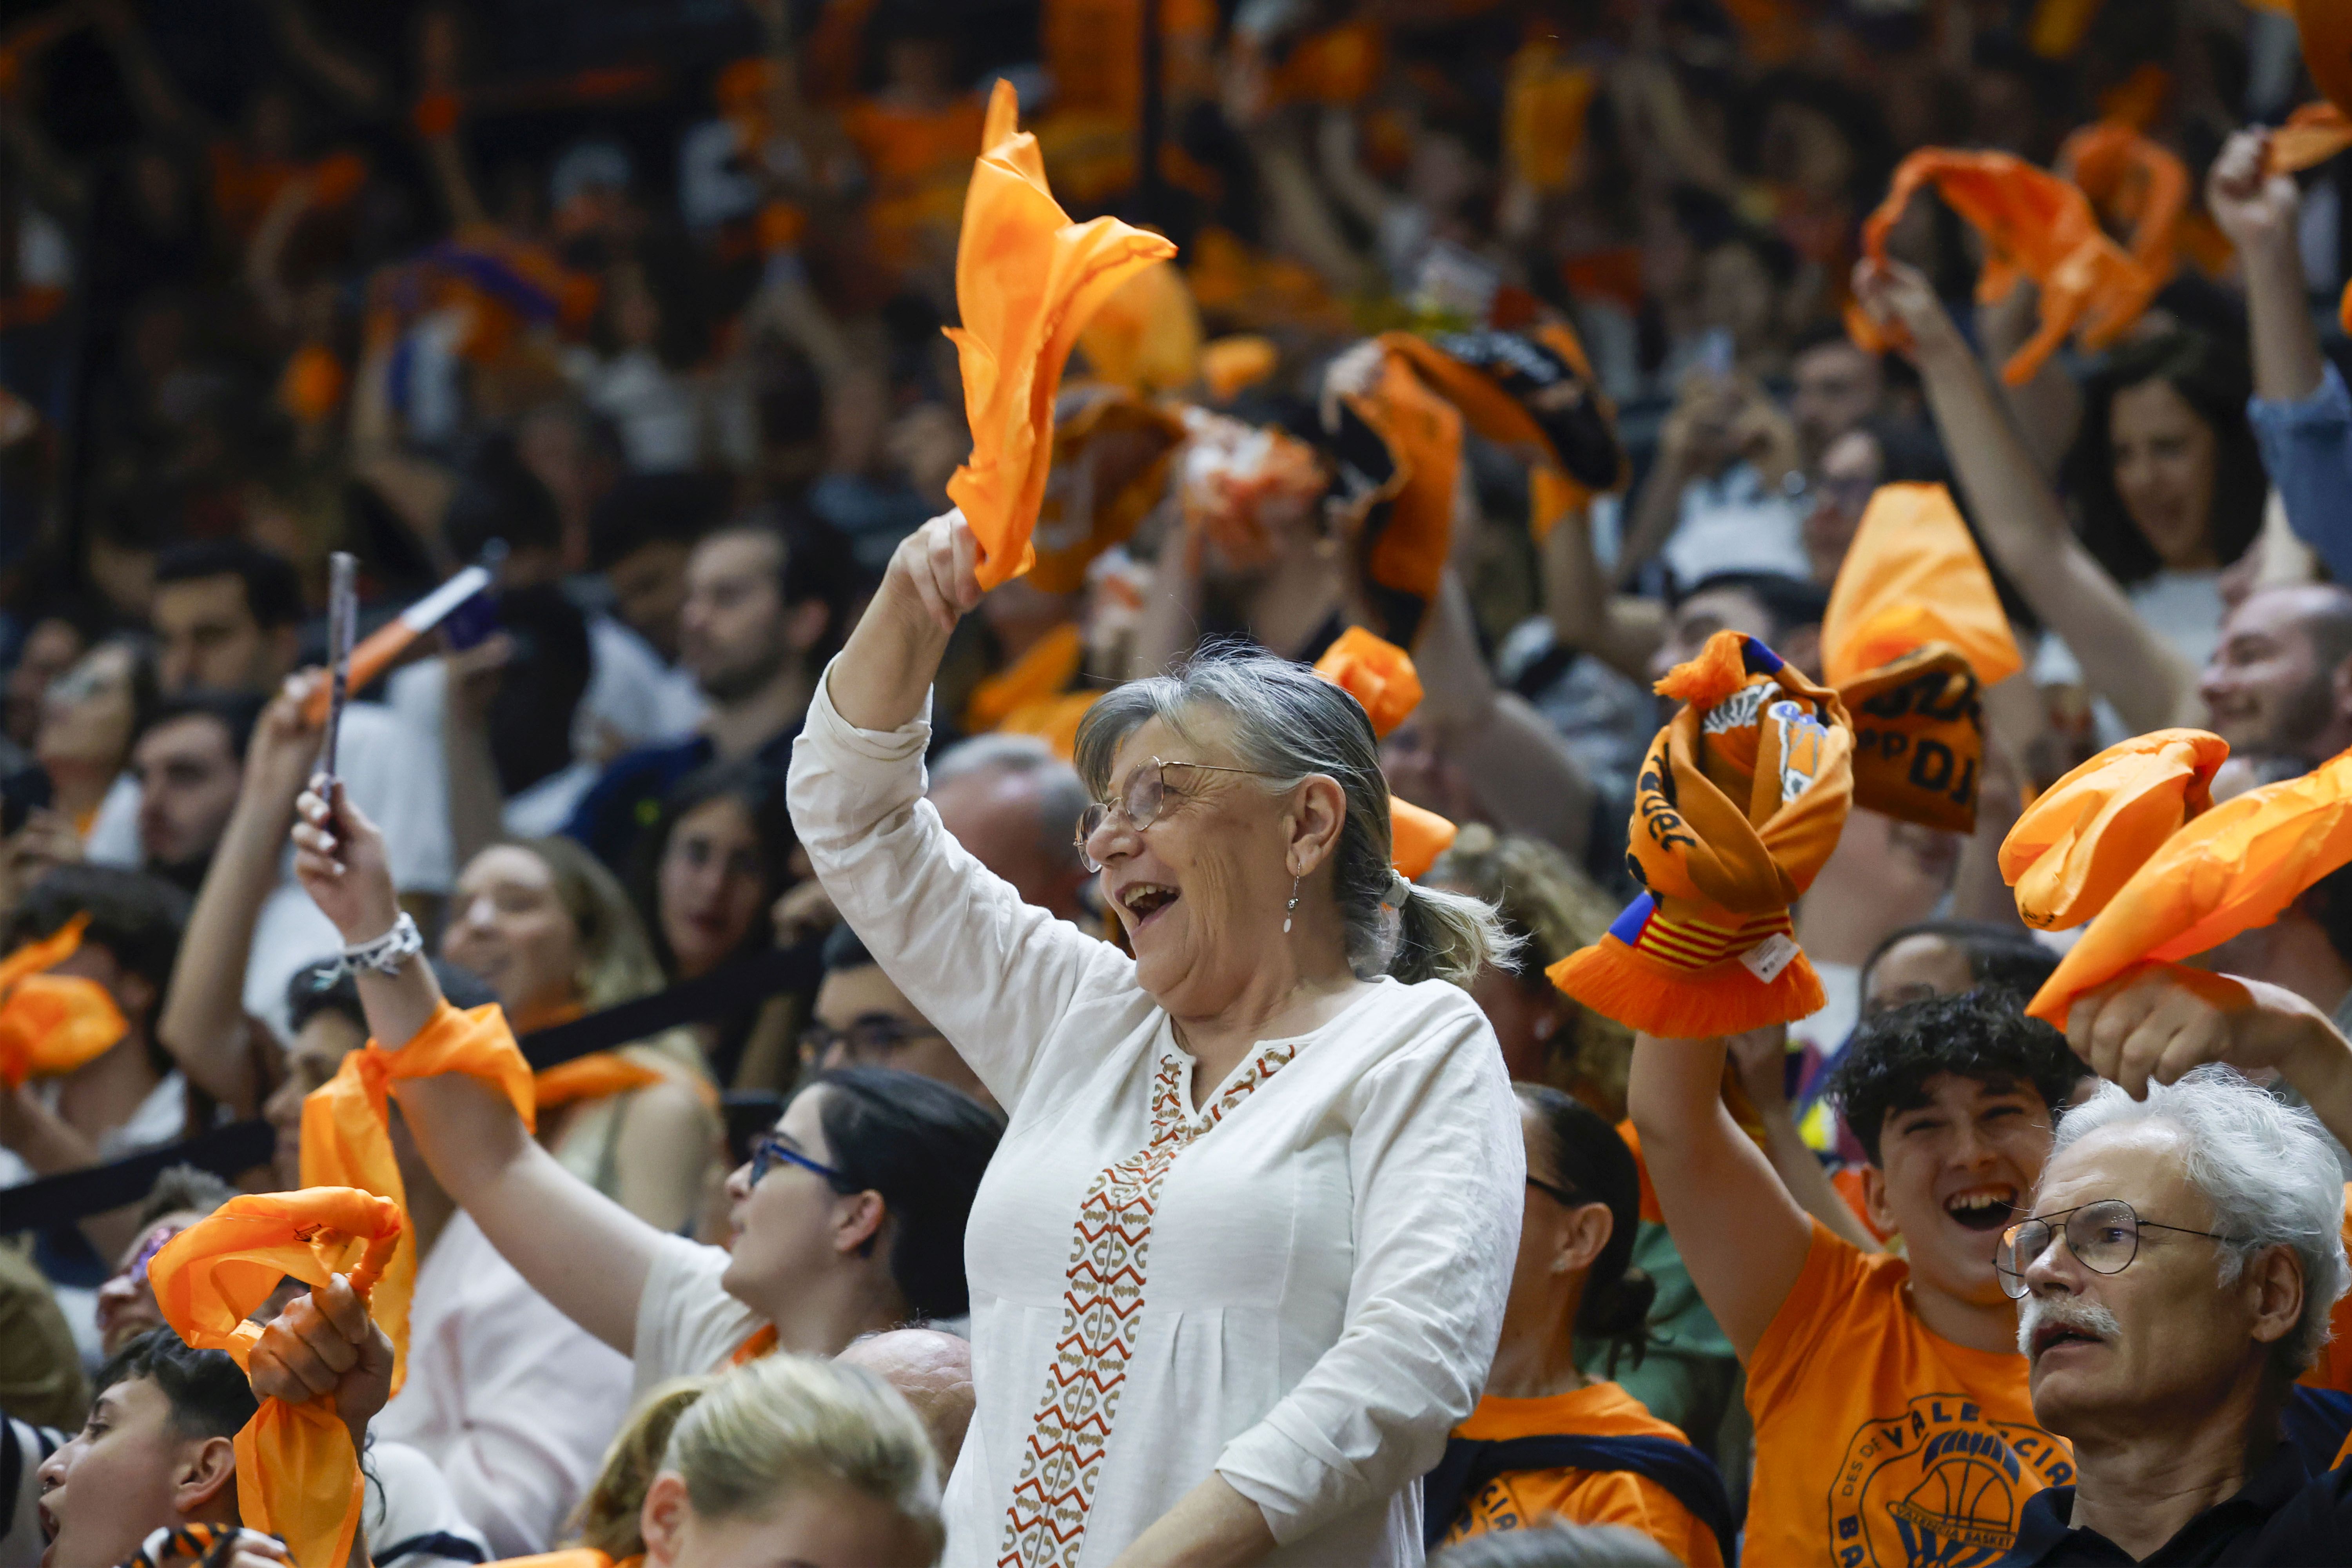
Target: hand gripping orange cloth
point(1027, 281)
point(2085, 836)
point(2229, 870)
point(1741, 801)
point(2035, 225)
point(52, 1024)
point(1531, 390)
point(346, 1142)
point(297, 1475)
point(1379, 675)
point(1914, 630)
point(2134, 183)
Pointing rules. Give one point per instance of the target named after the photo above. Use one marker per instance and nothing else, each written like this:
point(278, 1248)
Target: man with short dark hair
point(1780, 610)
point(1014, 805)
point(1835, 385)
point(190, 763)
point(861, 1020)
point(227, 618)
point(640, 536)
point(2279, 684)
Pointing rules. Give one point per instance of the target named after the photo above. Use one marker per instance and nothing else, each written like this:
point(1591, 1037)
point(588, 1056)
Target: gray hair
point(2267, 1168)
point(1061, 794)
point(1290, 724)
point(1558, 1546)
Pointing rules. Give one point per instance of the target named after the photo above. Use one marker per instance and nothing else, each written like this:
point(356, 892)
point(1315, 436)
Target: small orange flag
point(52, 1024)
point(346, 1141)
point(2229, 870)
point(2035, 225)
point(1027, 281)
point(297, 1475)
point(2085, 836)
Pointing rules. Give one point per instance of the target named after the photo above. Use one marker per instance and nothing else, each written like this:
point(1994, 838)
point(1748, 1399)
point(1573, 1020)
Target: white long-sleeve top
point(1297, 1286)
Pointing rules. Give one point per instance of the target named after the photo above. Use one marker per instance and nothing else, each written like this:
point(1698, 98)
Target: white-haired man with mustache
point(2176, 1274)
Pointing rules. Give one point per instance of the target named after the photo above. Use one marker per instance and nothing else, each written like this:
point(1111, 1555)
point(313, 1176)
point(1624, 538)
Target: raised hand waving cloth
point(1027, 280)
point(1740, 802)
point(2085, 836)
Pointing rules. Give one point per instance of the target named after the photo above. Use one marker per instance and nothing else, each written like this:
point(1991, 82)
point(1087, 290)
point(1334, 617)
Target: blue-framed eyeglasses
point(771, 1151)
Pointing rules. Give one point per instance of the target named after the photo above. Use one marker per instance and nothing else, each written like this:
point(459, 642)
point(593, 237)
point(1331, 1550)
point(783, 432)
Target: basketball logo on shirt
point(1938, 1485)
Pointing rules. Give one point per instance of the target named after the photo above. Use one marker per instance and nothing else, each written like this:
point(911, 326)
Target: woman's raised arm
point(580, 1249)
point(885, 670)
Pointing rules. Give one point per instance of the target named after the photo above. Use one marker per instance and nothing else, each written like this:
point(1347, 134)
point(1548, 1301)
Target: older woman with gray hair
point(1240, 1260)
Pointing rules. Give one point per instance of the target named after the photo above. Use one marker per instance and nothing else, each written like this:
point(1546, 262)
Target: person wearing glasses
point(862, 1019)
point(1886, 1388)
point(1243, 1260)
point(1549, 1441)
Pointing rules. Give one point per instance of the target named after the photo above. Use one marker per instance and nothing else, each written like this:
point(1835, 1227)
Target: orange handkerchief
point(2136, 185)
point(1740, 802)
point(2085, 836)
point(52, 1024)
point(1231, 366)
point(347, 1143)
point(1416, 838)
point(2035, 225)
point(2229, 870)
point(1147, 336)
point(1545, 101)
point(1914, 628)
point(1027, 281)
point(1531, 390)
point(296, 1477)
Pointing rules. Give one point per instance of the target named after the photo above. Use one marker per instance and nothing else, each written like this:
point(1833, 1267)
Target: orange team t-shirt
point(1879, 1444)
point(1525, 1498)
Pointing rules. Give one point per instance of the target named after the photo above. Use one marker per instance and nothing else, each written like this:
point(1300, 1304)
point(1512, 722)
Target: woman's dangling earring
point(1288, 908)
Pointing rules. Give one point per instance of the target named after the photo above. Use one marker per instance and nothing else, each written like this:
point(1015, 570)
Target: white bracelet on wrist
point(387, 954)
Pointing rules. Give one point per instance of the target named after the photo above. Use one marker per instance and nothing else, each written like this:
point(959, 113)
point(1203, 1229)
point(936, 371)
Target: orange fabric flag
point(1914, 628)
point(1376, 673)
point(1400, 448)
point(2135, 183)
point(1112, 452)
point(1740, 802)
point(2229, 870)
point(1146, 335)
point(1532, 391)
point(2035, 225)
point(1416, 838)
point(347, 1143)
point(2313, 134)
point(1545, 102)
point(1027, 281)
point(52, 1024)
point(297, 1475)
point(2085, 836)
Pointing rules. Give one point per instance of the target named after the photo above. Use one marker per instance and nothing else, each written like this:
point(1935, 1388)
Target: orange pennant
point(346, 1141)
point(2229, 870)
point(1027, 281)
point(52, 1024)
point(297, 1477)
point(2035, 225)
point(2086, 836)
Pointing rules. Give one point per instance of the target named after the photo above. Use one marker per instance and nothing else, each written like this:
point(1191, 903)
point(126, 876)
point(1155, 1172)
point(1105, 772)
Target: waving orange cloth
point(2084, 837)
point(1379, 675)
point(52, 1024)
point(1401, 517)
point(2313, 134)
point(1032, 696)
point(1146, 335)
point(1027, 280)
point(346, 1142)
point(2229, 870)
point(1741, 801)
point(297, 1475)
point(1232, 365)
point(1112, 452)
point(1532, 390)
point(1914, 628)
point(1545, 102)
point(2135, 183)
point(2035, 225)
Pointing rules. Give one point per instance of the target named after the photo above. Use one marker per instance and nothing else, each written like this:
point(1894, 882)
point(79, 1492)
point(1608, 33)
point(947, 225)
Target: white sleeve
point(1439, 1165)
point(992, 973)
point(113, 838)
point(23, 1449)
point(687, 1323)
point(409, 1517)
point(396, 772)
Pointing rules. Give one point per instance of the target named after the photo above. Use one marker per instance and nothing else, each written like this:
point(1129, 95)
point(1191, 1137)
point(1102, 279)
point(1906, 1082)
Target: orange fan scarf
point(2229, 870)
point(2134, 183)
point(2035, 225)
point(2084, 837)
point(52, 1024)
point(1533, 391)
point(1379, 675)
point(297, 1477)
point(1399, 447)
point(1740, 802)
point(1112, 452)
point(1027, 281)
point(1914, 630)
point(346, 1141)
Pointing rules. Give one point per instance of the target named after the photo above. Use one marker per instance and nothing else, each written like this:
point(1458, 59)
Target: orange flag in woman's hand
point(2229, 870)
point(2137, 184)
point(1027, 280)
point(2035, 225)
point(346, 1141)
point(52, 1024)
point(2086, 836)
point(297, 1475)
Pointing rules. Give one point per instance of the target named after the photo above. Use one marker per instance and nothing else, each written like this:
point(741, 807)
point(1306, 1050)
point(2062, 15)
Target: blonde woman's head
point(790, 1458)
point(550, 929)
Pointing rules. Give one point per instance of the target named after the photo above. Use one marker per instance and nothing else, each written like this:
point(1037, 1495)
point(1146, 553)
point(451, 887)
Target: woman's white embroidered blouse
point(1297, 1286)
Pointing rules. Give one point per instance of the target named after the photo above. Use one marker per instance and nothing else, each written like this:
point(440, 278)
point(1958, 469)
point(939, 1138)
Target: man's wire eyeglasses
point(2104, 1236)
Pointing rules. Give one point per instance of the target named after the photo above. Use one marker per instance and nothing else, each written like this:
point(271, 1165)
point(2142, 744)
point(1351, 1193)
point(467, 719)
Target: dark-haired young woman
point(1547, 1440)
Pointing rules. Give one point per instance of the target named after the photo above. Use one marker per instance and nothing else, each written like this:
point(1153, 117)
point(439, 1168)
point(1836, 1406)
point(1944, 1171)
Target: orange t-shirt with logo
point(1879, 1444)
point(1524, 1498)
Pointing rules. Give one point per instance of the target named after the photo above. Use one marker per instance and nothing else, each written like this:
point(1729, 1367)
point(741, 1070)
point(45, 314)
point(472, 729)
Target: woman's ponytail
point(1589, 1162)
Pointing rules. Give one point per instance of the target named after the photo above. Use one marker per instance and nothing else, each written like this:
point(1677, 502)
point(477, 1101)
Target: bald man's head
point(931, 1370)
point(2280, 681)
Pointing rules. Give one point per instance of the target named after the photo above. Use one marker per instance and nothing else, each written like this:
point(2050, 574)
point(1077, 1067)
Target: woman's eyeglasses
point(1140, 802)
point(2104, 1236)
point(770, 1151)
